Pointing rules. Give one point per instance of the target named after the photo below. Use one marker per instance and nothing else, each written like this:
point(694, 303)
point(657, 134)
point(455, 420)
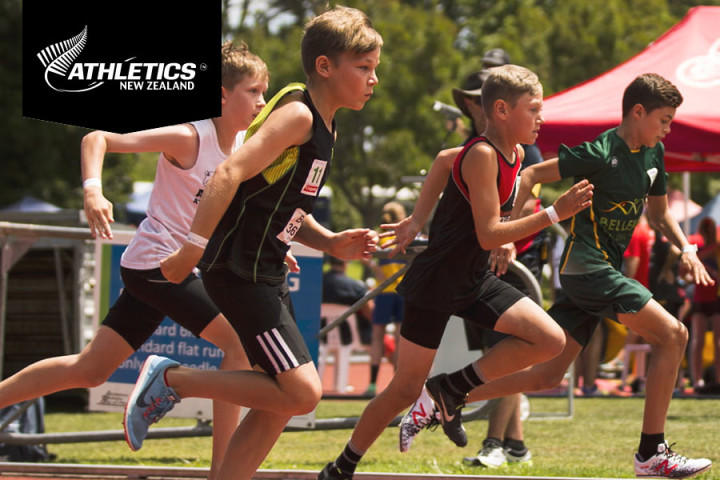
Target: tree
point(40, 158)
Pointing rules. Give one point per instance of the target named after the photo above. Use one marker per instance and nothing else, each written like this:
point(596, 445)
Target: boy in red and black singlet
point(451, 275)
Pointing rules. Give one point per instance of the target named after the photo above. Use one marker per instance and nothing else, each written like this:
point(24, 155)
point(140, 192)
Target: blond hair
point(393, 212)
point(239, 63)
point(508, 83)
point(339, 30)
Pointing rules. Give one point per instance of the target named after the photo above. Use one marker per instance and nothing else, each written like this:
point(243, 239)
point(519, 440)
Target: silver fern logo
point(62, 70)
point(59, 57)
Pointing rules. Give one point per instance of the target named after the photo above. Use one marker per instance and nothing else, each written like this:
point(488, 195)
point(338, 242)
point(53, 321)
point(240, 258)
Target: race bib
point(315, 176)
point(292, 227)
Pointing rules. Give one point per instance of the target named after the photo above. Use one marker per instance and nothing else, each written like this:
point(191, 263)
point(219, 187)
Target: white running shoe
point(492, 455)
point(516, 457)
point(668, 464)
point(422, 414)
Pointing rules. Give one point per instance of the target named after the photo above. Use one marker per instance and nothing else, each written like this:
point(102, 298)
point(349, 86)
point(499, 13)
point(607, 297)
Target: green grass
point(597, 442)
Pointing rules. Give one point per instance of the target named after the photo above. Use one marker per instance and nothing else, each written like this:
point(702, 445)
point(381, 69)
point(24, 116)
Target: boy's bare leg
point(89, 368)
point(535, 338)
point(225, 415)
point(668, 338)
point(413, 365)
point(251, 443)
point(500, 417)
point(514, 426)
point(538, 377)
point(294, 392)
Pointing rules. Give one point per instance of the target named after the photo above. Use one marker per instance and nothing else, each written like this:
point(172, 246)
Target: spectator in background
point(339, 288)
point(388, 304)
point(495, 57)
point(705, 311)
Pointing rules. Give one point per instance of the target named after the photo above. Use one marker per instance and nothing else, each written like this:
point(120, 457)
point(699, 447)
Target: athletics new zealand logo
point(122, 72)
point(60, 62)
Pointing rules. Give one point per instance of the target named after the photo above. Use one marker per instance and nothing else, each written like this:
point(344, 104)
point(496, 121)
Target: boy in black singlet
point(258, 201)
point(452, 276)
point(625, 164)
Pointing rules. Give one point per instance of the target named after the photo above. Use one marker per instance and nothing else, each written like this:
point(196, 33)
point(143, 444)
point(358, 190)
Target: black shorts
point(148, 297)
point(263, 317)
point(425, 327)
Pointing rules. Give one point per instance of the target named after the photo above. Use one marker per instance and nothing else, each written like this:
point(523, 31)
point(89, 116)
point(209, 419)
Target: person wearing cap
point(495, 57)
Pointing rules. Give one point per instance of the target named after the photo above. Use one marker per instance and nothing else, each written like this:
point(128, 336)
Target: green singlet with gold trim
point(622, 179)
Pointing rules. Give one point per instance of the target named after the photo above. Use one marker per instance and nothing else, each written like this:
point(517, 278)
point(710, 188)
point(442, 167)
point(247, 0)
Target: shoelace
point(669, 453)
point(158, 408)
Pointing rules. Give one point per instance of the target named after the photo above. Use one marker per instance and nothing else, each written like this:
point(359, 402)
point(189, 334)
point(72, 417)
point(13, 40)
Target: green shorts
point(588, 298)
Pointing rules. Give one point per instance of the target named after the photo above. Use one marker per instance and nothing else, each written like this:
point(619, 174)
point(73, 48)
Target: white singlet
point(173, 202)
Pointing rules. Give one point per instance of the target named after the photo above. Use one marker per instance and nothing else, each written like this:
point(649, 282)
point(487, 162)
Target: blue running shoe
point(149, 401)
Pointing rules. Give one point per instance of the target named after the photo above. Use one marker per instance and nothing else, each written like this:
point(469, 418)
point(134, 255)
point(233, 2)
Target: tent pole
point(686, 191)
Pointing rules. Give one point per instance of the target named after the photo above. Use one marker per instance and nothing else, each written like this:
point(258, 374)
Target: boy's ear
point(223, 95)
point(501, 108)
point(322, 66)
point(638, 110)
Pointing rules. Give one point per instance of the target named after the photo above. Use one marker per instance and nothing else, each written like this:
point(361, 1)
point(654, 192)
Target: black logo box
point(148, 32)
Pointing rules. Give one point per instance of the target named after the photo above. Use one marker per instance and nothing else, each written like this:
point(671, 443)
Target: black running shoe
point(449, 406)
point(331, 472)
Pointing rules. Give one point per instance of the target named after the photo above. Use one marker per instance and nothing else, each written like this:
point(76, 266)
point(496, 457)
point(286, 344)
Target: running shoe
point(449, 408)
point(517, 457)
point(149, 401)
point(668, 464)
point(422, 414)
point(491, 455)
point(331, 472)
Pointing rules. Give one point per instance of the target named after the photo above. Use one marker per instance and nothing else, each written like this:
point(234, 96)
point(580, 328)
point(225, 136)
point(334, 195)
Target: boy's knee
point(404, 393)
point(676, 336)
point(549, 381)
point(555, 343)
point(91, 376)
point(304, 400)
point(234, 359)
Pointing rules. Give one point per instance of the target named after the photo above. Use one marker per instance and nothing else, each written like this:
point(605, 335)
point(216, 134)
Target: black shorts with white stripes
point(263, 317)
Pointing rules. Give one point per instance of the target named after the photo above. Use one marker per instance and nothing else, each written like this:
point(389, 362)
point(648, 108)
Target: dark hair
point(652, 92)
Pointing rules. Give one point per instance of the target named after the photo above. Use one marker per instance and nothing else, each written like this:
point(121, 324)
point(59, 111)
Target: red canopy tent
point(689, 56)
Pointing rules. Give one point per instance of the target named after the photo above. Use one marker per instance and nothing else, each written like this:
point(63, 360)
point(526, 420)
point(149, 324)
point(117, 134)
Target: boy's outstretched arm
point(179, 143)
point(352, 244)
point(660, 219)
point(480, 173)
point(290, 124)
point(404, 232)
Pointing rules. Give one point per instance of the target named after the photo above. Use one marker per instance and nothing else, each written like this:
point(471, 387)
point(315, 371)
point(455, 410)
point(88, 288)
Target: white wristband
point(552, 214)
point(197, 240)
point(692, 248)
point(92, 182)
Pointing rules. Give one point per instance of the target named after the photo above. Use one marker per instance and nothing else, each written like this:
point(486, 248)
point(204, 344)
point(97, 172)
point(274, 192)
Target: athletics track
point(33, 471)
